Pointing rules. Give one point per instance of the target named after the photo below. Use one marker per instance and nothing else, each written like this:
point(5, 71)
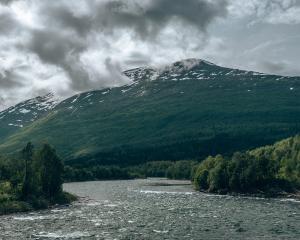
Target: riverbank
point(259, 194)
point(272, 193)
point(11, 205)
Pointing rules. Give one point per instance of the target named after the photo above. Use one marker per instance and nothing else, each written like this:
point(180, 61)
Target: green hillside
point(189, 109)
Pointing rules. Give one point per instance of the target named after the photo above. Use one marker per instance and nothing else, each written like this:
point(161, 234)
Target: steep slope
point(189, 109)
point(23, 114)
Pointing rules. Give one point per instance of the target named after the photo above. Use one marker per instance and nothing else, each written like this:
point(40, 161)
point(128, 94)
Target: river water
point(156, 209)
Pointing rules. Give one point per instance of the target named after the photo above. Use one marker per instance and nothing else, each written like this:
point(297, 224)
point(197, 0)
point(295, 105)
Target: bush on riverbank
point(271, 169)
point(32, 181)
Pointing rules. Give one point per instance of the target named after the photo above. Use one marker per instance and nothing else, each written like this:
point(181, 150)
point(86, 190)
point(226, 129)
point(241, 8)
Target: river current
point(156, 209)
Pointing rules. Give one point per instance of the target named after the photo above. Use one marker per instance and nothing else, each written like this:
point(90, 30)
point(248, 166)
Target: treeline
point(173, 170)
point(271, 169)
point(78, 174)
point(169, 169)
point(31, 181)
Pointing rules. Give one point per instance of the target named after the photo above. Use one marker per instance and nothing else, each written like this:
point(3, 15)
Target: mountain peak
point(185, 65)
point(152, 73)
point(193, 62)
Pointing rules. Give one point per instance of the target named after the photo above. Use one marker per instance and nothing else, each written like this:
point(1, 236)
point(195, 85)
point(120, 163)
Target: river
point(156, 209)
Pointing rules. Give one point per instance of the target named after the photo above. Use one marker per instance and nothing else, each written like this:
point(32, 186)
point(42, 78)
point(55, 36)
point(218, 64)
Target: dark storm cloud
point(6, 2)
point(10, 79)
point(66, 35)
point(7, 23)
point(64, 18)
point(147, 20)
point(198, 13)
point(54, 47)
point(61, 49)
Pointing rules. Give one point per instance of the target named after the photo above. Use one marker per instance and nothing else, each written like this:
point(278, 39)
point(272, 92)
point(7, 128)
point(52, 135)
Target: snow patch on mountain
point(28, 111)
point(24, 110)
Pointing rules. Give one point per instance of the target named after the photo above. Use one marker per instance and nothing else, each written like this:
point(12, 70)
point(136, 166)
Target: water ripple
point(146, 209)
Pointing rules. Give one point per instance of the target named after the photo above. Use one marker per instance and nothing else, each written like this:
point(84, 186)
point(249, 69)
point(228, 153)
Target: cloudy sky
point(66, 46)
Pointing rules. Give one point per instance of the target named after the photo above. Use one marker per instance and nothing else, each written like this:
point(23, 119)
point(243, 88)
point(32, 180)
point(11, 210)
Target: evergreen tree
point(51, 170)
point(27, 186)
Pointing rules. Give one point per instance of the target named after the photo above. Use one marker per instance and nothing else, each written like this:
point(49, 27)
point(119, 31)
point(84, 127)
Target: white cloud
point(269, 11)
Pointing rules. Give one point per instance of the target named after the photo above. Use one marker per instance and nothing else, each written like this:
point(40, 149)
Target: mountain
point(188, 109)
point(23, 114)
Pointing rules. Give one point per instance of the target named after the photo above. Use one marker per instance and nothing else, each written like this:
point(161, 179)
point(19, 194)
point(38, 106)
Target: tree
point(51, 170)
point(27, 186)
point(217, 178)
point(201, 179)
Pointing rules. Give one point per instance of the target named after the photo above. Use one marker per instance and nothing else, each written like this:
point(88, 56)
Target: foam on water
point(165, 192)
point(32, 218)
point(60, 235)
point(290, 200)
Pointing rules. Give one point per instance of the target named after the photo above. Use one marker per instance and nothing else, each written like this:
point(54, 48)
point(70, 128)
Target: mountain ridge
point(130, 74)
point(176, 113)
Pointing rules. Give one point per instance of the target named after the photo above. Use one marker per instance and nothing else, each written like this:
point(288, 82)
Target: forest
point(272, 170)
point(33, 180)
